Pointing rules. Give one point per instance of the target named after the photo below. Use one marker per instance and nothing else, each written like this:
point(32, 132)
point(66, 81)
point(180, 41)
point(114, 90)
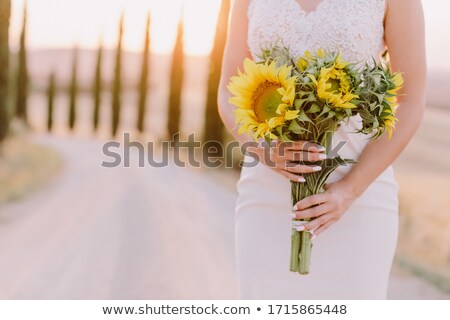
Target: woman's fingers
point(282, 158)
point(313, 212)
point(283, 155)
point(310, 201)
point(323, 227)
point(290, 176)
point(294, 172)
point(297, 151)
point(298, 155)
point(300, 146)
point(318, 222)
point(298, 168)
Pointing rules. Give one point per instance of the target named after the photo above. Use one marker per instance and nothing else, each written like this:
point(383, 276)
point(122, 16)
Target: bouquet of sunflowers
point(307, 98)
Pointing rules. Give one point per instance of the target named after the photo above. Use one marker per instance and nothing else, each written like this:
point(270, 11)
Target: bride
point(355, 220)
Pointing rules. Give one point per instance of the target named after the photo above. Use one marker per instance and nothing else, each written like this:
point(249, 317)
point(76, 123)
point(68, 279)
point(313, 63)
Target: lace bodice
point(354, 27)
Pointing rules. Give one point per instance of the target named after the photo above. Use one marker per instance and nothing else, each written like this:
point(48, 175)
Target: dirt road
point(127, 233)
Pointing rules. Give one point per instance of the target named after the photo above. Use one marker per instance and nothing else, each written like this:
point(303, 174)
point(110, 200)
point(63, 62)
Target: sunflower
point(334, 85)
point(308, 57)
point(264, 96)
point(388, 114)
point(390, 120)
point(396, 84)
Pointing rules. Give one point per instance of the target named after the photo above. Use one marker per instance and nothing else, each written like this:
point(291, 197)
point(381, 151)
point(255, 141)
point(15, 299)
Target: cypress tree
point(22, 74)
point(213, 127)
point(143, 83)
point(5, 13)
point(117, 84)
point(176, 85)
point(97, 87)
point(73, 91)
point(51, 89)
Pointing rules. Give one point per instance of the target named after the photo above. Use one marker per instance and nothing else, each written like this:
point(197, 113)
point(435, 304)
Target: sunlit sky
point(64, 23)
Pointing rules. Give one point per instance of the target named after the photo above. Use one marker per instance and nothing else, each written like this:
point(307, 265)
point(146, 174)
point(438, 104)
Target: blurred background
point(74, 74)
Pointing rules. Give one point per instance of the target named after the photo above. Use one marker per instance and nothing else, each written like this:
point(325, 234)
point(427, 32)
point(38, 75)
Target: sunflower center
point(335, 85)
point(266, 100)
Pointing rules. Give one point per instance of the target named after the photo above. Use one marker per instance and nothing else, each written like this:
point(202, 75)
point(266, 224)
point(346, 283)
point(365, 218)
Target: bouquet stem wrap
point(301, 244)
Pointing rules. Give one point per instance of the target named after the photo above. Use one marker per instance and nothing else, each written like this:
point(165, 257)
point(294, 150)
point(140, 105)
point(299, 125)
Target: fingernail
point(313, 237)
point(316, 168)
point(301, 228)
point(301, 179)
point(295, 208)
point(322, 156)
point(321, 148)
point(293, 215)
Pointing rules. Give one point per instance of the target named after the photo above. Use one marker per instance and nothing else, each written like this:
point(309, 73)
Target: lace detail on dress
point(354, 27)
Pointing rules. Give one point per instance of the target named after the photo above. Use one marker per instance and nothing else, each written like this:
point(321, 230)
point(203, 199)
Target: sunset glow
point(63, 23)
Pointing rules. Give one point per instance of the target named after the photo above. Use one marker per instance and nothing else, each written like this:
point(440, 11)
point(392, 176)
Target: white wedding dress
point(352, 259)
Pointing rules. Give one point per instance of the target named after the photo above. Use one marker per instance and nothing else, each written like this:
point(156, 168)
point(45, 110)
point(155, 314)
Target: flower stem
point(300, 240)
point(301, 244)
point(295, 251)
point(305, 252)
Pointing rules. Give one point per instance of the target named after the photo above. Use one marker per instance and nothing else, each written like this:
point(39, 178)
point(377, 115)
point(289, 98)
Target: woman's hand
point(281, 157)
point(325, 208)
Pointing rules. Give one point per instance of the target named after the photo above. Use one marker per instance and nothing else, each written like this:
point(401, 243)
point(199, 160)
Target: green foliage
point(373, 85)
point(316, 116)
point(214, 128)
point(5, 13)
point(117, 84)
point(143, 83)
point(51, 90)
point(378, 94)
point(176, 85)
point(97, 88)
point(73, 91)
point(22, 74)
point(277, 53)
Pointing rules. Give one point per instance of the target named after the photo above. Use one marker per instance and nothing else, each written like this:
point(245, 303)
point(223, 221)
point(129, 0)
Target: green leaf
point(376, 124)
point(303, 117)
point(325, 109)
point(299, 103)
point(314, 108)
point(331, 114)
point(296, 128)
point(279, 131)
point(366, 115)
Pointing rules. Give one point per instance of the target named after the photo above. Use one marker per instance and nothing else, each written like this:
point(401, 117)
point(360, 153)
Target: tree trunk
point(73, 92)
point(97, 88)
point(5, 12)
point(51, 89)
point(143, 83)
point(22, 74)
point(117, 85)
point(176, 85)
point(213, 128)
